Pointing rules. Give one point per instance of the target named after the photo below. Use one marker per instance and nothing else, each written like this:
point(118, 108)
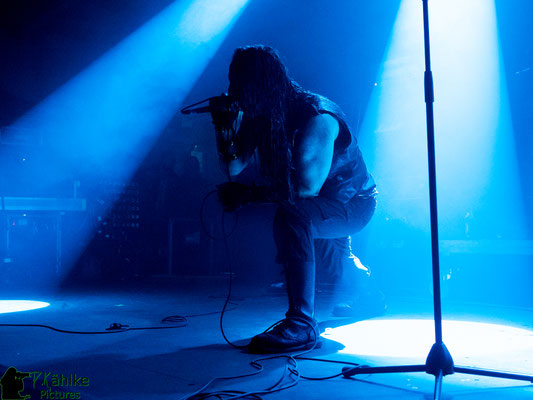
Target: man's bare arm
point(314, 154)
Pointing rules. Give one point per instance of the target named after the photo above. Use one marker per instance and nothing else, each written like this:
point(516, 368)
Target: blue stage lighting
point(490, 345)
point(108, 115)
point(10, 306)
point(480, 204)
point(476, 160)
point(105, 120)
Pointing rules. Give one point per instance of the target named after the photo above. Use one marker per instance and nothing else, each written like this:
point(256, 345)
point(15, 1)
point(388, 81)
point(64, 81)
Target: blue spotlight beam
point(475, 146)
point(104, 121)
point(439, 361)
point(107, 117)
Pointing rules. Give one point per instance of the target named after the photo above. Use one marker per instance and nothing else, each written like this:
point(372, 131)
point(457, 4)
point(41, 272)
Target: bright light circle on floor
point(413, 338)
point(9, 306)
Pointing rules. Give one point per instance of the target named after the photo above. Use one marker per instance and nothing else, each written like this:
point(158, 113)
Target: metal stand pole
point(439, 361)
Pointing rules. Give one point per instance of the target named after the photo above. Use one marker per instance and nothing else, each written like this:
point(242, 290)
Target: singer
point(314, 173)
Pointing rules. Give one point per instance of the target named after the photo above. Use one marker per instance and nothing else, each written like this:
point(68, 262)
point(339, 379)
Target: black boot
point(290, 334)
point(299, 331)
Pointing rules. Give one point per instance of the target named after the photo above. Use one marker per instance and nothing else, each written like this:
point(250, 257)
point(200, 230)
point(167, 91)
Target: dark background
point(333, 48)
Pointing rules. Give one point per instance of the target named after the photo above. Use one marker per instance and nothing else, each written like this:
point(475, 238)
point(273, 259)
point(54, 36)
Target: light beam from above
point(104, 121)
point(108, 115)
point(476, 159)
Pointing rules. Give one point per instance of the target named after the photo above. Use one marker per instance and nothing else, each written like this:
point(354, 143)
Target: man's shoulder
point(323, 127)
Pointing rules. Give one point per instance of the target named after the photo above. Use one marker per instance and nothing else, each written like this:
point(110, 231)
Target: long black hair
point(260, 82)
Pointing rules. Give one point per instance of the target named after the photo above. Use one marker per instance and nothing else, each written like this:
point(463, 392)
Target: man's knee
point(289, 218)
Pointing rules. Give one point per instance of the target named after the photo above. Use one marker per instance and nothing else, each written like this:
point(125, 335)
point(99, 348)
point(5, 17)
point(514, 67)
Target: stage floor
point(170, 363)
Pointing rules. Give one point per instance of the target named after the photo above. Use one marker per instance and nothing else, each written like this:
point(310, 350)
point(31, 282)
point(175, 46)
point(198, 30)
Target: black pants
point(297, 226)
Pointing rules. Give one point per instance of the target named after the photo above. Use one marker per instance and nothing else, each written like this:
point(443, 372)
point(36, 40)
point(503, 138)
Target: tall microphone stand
point(439, 361)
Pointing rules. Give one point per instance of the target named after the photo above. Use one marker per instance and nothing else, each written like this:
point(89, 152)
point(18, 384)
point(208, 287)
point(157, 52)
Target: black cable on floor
point(292, 365)
point(177, 320)
point(113, 328)
point(174, 319)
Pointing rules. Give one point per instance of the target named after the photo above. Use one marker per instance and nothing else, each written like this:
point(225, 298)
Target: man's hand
point(233, 195)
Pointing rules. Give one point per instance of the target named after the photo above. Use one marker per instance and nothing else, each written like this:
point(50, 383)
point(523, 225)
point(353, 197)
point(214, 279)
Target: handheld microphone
point(225, 112)
point(199, 110)
point(217, 104)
